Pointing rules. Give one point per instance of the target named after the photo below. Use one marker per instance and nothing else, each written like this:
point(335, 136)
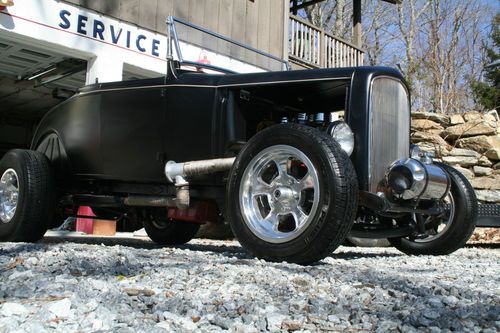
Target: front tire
point(27, 196)
point(291, 194)
point(452, 231)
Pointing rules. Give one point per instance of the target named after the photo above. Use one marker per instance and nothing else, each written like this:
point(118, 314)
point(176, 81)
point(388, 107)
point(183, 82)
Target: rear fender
point(51, 145)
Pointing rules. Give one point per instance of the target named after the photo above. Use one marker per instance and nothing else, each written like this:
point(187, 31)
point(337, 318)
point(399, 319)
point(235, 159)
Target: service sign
point(75, 26)
point(107, 31)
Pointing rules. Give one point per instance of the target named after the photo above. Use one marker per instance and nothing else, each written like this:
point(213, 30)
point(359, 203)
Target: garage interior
point(32, 81)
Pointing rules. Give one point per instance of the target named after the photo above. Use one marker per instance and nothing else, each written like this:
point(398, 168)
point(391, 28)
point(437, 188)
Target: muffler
point(412, 179)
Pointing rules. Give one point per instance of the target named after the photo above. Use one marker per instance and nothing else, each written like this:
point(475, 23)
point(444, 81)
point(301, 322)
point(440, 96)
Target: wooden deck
point(311, 47)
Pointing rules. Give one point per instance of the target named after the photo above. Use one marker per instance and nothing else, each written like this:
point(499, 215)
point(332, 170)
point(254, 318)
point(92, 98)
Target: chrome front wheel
point(279, 193)
point(291, 194)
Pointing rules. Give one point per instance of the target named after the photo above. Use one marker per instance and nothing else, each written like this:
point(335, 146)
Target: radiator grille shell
point(389, 127)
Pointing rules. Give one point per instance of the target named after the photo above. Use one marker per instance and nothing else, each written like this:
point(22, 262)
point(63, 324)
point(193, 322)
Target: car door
point(132, 133)
point(190, 115)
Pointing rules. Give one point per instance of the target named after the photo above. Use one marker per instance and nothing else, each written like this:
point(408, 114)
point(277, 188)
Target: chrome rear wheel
point(27, 195)
point(9, 195)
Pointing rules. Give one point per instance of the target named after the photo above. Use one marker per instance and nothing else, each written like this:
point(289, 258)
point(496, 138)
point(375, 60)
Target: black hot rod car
point(294, 161)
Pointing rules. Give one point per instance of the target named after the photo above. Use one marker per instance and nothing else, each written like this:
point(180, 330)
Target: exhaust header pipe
point(196, 168)
point(412, 179)
point(176, 173)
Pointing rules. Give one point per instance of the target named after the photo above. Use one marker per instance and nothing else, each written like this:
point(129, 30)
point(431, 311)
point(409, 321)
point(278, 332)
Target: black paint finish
point(125, 131)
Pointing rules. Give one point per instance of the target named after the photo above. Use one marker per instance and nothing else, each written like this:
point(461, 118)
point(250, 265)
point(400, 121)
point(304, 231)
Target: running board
point(488, 215)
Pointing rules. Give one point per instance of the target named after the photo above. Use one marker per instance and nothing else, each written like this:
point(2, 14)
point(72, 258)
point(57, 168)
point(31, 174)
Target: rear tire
point(169, 232)
point(291, 194)
point(458, 227)
point(27, 196)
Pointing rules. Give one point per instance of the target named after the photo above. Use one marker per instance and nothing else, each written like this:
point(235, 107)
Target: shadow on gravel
point(361, 255)
point(22, 247)
point(225, 250)
point(229, 251)
point(108, 241)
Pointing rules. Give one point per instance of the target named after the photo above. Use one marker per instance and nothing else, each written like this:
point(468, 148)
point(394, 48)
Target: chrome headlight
point(341, 132)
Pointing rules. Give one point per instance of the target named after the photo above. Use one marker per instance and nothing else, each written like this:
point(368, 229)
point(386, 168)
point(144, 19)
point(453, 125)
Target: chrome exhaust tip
point(411, 179)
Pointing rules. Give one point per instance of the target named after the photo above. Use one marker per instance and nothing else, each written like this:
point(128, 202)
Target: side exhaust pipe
point(196, 168)
point(177, 172)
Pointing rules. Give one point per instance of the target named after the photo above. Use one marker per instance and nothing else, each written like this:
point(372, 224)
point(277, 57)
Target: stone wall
point(468, 142)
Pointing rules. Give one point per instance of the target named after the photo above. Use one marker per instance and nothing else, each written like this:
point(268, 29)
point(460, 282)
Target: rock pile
point(468, 142)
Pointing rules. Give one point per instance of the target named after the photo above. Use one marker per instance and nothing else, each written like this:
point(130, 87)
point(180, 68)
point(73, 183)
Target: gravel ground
point(131, 285)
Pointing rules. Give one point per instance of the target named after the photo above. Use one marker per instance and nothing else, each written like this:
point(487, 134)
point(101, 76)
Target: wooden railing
point(313, 47)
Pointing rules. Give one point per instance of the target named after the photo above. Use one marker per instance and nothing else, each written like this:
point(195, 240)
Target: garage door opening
point(32, 81)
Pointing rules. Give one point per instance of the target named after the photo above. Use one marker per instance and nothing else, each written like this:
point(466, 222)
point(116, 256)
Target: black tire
point(461, 226)
point(169, 232)
point(327, 226)
point(36, 196)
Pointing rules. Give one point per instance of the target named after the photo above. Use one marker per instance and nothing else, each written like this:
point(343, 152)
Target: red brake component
point(198, 212)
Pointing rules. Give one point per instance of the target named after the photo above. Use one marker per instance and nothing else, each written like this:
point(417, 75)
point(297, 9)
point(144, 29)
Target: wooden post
point(322, 49)
point(356, 23)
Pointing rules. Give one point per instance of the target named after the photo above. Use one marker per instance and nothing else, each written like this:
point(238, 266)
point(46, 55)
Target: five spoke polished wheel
point(9, 195)
point(279, 193)
point(291, 194)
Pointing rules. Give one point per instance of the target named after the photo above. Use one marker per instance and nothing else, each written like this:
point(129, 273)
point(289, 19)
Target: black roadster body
point(293, 160)
point(127, 131)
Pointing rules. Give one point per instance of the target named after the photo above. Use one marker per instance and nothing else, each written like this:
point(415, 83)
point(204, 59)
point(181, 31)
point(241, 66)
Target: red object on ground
point(83, 224)
point(198, 212)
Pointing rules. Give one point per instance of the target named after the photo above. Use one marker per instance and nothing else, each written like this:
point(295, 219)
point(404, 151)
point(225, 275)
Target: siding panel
point(225, 22)
point(92, 4)
point(196, 16)
point(238, 27)
point(210, 22)
point(263, 31)
point(251, 26)
point(147, 13)
point(111, 8)
point(276, 28)
point(129, 10)
point(181, 10)
point(164, 9)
